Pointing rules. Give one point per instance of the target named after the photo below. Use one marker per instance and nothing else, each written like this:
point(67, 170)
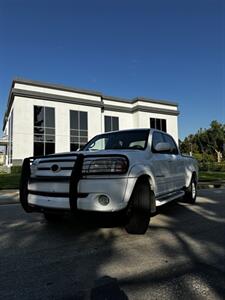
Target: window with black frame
point(44, 130)
point(78, 129)
point(159, 124)
point(111, 123)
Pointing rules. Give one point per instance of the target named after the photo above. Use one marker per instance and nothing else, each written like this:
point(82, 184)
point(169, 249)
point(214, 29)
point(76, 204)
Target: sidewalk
point(9, 197)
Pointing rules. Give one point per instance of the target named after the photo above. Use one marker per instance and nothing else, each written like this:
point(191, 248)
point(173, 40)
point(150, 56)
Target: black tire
point(139, 209)
point(191, 191)
point(24, 179)
point(217, 186)
point(53, 217)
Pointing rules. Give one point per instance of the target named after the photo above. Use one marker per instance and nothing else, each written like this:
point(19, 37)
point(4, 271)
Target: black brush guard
point(76, 175)
point(73, 183)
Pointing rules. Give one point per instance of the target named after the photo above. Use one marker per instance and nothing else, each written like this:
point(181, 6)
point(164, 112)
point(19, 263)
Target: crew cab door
point(160, 165)
point(175, 164)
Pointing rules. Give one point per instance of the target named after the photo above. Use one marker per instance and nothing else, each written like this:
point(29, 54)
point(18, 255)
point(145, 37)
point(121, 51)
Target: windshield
point(136, 139)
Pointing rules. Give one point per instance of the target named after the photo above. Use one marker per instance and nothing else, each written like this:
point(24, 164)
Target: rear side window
point(169, 139)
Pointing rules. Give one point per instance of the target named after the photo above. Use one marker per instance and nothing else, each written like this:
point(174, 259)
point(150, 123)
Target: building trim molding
point(156, 110)
point(56, 98)
point(74, 100)
point(117, 108)
point(141, 108)
point(90, 92)
point(56, 87)
point(156, 101)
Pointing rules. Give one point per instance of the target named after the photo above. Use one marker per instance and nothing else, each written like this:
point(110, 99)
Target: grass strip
point(9, 181)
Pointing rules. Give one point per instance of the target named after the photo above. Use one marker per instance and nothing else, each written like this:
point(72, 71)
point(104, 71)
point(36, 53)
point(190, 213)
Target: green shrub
point(4, 170)
point(212, 166)
point(16, 169)
point(204, 157)
point(9, 181)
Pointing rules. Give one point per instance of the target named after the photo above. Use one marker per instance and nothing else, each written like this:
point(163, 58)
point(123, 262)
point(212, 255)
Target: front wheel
point(139, 209)
point(191, 192)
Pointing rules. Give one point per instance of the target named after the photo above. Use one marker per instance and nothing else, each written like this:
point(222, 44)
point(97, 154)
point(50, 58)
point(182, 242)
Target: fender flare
point(136, 173)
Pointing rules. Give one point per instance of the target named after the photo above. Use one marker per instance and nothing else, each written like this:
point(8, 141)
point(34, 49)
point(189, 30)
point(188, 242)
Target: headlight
point(109, 165)
point(35, 162)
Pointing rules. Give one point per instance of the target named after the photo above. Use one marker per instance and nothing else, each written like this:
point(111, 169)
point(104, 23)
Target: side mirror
point(163, 147)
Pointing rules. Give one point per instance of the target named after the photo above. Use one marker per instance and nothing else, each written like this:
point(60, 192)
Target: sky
point(172, 50)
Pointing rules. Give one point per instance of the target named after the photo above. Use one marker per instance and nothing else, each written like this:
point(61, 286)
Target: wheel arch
point(142, 177)
point(194, 175)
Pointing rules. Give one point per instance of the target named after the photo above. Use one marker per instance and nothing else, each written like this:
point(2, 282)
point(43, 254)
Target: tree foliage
point(209, 144)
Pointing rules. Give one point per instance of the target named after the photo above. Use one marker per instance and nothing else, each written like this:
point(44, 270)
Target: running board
point(169, 197)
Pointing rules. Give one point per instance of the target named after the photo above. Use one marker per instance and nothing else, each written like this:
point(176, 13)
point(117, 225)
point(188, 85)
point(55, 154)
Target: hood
point(100, 152)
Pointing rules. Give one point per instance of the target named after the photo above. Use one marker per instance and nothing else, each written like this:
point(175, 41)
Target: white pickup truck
point(133, 171)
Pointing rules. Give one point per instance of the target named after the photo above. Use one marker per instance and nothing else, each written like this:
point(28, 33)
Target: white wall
point(62, 120)
point(56, 92)
point(155, 105)
point(142, 119)
point(23, 128)
point(125, 119)
point(117, 103)
point(23, 118)
point(23, 124)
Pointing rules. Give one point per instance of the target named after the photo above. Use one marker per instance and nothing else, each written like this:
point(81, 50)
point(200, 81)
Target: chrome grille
point(44, 167)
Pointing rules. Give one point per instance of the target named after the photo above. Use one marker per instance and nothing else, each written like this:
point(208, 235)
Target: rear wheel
point(191, 191)
point(139, 208)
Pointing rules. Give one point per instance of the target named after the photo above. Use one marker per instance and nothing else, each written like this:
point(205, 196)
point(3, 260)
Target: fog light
point(103, 200)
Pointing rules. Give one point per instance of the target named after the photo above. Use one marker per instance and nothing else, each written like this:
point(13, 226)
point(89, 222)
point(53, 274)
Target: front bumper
point(88, 194)
point(74, 193)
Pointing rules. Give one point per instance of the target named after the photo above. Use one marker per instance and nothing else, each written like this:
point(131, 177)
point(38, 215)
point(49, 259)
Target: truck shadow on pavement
point(61, 260)
point(87, 257)
point(198, 232)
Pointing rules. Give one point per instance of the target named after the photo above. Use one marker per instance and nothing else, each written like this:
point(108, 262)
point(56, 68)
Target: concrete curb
point(211, 184)
point(9, 191)
point(9, 197)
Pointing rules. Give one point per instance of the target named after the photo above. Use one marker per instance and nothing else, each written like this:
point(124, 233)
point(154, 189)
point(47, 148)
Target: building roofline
point(56, 86)
point(153, 100)
point(143, 99)
point(75, 90)
point(91, 92)
point(118, 99)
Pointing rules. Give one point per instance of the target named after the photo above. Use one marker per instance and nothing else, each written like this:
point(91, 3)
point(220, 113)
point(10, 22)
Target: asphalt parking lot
point(182, 256)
